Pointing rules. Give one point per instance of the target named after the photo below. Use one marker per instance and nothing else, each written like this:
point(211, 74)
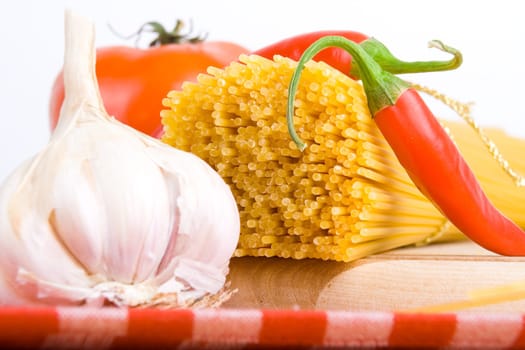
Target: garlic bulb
point(106, 214)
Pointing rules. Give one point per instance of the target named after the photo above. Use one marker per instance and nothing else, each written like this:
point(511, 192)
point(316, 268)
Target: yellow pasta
point(345, 196)
point(479, 298)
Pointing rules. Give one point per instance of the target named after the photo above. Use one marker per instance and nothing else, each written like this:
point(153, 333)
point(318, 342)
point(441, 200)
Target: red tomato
point(134, 81)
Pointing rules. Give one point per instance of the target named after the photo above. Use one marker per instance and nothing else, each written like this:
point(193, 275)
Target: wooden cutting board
point(403, 279)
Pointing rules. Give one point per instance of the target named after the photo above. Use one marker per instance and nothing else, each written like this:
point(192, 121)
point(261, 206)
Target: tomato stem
point(175, 36)
point(164, 37)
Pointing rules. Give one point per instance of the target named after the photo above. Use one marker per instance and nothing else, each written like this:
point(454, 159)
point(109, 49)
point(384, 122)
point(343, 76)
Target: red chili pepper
point(425, 150)
point(293, 47)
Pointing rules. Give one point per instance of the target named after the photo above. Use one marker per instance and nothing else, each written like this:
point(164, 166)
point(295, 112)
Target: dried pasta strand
point(479, 298)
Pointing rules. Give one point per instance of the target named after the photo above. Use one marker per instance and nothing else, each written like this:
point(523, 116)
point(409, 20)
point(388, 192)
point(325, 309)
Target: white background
point(489, 33)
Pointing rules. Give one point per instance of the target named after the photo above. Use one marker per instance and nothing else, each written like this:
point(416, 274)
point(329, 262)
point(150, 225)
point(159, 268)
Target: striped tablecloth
point(120, 328)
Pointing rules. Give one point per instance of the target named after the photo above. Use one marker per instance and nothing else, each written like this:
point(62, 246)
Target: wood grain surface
point(402, 279)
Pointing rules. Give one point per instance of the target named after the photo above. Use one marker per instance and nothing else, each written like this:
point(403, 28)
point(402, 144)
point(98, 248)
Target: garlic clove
point(128, 204)
point(205, 242)
point(28, 244)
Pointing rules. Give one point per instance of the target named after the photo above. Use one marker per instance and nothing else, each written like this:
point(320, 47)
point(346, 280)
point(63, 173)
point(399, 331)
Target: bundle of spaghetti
point(344, 197)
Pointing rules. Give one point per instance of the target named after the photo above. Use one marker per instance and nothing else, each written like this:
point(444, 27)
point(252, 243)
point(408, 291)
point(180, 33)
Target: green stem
point(392, 64)
point(175, 36)
point(164, 37)
point(382, 88)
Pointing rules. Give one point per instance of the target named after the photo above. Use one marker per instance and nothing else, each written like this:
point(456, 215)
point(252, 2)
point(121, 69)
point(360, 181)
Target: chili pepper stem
point(380, 53)
point(382, 88)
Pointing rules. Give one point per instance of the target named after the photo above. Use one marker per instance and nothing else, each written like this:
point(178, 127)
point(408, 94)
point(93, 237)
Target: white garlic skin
point(104, 208)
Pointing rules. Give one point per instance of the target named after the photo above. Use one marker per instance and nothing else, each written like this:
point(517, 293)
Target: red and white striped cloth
point(119, 328)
